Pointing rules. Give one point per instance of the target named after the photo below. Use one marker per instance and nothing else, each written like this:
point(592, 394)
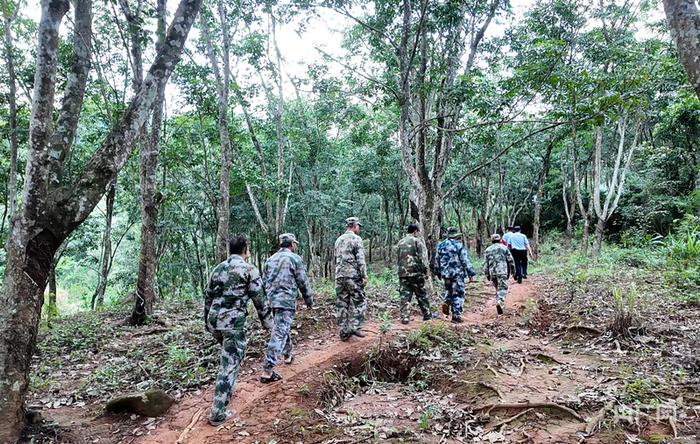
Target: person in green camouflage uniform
point(498, 266)
point(285, 275)
point(412, 261)
point(232, 283)
point(350, 280)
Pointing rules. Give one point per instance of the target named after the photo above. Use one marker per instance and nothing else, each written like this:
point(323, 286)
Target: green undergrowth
point(674, 261)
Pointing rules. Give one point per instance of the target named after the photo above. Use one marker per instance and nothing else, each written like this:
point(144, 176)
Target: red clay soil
point(259, 407)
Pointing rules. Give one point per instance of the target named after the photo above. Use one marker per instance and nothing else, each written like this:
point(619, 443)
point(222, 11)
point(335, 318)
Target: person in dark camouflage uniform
point(350, 280)
point(232, 283)
point(285, 275)
point(498, 266)
point(412, 261)
point(453, 266)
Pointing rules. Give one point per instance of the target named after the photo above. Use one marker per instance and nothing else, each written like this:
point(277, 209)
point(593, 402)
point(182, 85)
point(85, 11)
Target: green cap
point(453, 233)
point(288, 237)
point(353, 220)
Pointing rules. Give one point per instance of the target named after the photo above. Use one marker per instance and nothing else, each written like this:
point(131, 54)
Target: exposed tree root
point(485, 385)
point(512, 418)
point(594, 422)
point(545, 358)
point(190, 426)
point(584, 328)
point(524, 405)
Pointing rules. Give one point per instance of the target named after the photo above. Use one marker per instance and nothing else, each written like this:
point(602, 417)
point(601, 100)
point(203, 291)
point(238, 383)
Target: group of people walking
point(274, 293)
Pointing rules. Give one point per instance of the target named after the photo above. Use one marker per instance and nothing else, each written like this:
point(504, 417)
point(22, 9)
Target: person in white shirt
point(520, 249)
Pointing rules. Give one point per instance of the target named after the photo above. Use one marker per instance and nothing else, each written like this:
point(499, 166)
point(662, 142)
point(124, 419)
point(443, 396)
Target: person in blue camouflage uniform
point(453, 266)
point(350, 280)
point(498, 266)
point(412, 262)
point(232, 284)
point(285, 275)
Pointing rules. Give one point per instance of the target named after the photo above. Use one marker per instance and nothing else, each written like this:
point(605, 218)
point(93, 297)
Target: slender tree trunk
point(49, 212)
point(12, 101)
point(282, 188)
point(148, 258)
point(684, 22)
point(598, 236)
point(52, 307)
point(222, 77)
point(538, 201)
point(98, 297)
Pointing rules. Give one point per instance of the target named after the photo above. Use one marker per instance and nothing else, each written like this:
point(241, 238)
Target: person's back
point(451, 257)
point(347, 249)
point(518, 241)
point(506, 237)
point(233, 282)
point(411, 258)
point(497, 261)
point(285, 275)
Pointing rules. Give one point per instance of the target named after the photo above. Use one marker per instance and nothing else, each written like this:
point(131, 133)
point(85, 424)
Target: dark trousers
point(520, 259)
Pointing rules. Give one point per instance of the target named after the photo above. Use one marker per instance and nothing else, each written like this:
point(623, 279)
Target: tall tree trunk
point(222, 77)
point(282, 187)
point(98, 298)
point(12, 100)
point(684, 22)
point(49, 212)
point(586, 237)
point(538, 202)
point(145, 284)
point(598, 237)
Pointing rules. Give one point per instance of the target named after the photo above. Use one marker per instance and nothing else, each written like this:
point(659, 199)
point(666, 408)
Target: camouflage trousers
point(280, 339)
point(454, 295)
point(350, 305)
point(500, 282)
point(232, 354)
point(408, 286)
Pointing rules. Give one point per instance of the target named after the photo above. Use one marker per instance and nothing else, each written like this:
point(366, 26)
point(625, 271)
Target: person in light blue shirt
point(506, 236)
point(520, 249)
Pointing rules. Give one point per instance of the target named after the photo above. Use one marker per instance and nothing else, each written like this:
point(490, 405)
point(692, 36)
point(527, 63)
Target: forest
point(140, 137)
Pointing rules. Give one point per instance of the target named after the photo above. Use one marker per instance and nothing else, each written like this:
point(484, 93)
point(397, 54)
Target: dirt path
point(258, 407)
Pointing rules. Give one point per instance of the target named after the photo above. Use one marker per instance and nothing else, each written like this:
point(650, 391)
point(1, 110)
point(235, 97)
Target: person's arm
point(486, 268)
point(303, 283)
point(214, 288)
point(511, 263)
point(257, 294)
point(527, 245)
point(360, 258)
point(423, 256)
point(266, 280)
point(466, 263)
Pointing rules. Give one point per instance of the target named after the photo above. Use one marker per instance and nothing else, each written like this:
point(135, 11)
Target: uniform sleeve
point(360, 257)
point(397, 252)
point(485, 268)
point(303, 283)
point(466, 263)
point(214, 289)
point(423, 255)
point(257, 294)
point(266, 276)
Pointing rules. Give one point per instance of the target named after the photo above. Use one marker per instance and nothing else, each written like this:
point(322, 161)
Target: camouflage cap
point(353, 220)
point(288, 237)
point(495, 237)
point(453, 233)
